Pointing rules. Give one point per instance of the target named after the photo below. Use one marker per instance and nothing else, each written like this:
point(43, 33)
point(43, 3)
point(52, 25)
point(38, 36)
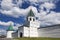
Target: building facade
point(30, 28)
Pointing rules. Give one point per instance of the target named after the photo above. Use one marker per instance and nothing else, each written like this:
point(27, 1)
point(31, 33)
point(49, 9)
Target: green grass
point(41, 38)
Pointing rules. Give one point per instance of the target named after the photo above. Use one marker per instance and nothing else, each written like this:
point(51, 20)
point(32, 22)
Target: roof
point(10, 28)
point(54, 26)
point(31, 13)
point(27, 24)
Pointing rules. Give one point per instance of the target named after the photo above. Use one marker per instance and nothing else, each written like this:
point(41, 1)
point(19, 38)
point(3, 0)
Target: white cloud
point(2, 32)
point(15, 11)
point(48, 0)
point(48, 19)
point(38, 1)
point(6, 23)
point(51, 19)
point(33, 1)
point(15, 25)
point(6, 4)
point(47, 5)
point(19, 3)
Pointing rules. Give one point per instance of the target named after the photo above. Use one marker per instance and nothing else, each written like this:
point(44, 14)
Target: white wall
point(15, 35)
point(49, 32)
point(26, 32)
point(30, 32)
point(33, 32)
point(34, 24)
point(9, 34)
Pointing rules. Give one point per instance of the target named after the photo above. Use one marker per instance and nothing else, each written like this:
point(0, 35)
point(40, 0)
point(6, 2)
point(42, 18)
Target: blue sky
point(15, 12)
point(57, 9)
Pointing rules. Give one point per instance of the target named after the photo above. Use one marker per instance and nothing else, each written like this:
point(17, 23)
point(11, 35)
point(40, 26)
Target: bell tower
point(33, 24)
point(32, 19)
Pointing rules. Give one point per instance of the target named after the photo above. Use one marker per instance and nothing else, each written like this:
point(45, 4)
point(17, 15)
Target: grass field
point(41, 38)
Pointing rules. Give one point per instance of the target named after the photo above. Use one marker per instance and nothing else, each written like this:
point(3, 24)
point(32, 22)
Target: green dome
point(10, 28)
point(31, 13)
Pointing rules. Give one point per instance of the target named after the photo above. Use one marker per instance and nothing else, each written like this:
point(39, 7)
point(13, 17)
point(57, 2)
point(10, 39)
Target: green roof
point(10, 28)
point(31, 13)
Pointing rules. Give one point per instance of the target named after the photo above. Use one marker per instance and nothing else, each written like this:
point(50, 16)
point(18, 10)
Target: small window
point(30, 19)
point(33, 19)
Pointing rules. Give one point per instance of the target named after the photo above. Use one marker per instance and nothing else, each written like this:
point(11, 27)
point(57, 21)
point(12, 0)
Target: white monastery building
point(32, 28)
point(29, 29)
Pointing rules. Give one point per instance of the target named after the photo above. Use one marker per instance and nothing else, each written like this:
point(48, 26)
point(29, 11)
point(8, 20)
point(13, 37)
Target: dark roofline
point(50, 26)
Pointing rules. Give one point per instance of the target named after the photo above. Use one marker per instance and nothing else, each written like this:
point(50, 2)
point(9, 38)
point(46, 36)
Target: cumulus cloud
point(6, 4)
point(48, 1)
point(15, 25)
point(48, 6)
point(2, 32)
point(51, 19)
point(13, 10)
point(16, 12)
point(6, 23)
point(39, 1)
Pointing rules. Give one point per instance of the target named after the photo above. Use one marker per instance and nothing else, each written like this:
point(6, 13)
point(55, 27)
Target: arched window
point(33, 19)
point(30, 19)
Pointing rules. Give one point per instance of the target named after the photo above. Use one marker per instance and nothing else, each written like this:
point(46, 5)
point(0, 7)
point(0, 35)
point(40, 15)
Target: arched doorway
point(21, 34)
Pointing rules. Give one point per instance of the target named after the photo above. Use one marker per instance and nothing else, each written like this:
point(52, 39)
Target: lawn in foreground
point(41, 38)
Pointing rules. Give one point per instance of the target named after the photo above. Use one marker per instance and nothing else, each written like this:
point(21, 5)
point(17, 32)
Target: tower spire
point(10, 28)
point(31, 13)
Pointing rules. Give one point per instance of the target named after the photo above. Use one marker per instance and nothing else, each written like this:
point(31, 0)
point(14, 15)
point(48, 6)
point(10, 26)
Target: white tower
point(10, 31)
point(33, 24)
